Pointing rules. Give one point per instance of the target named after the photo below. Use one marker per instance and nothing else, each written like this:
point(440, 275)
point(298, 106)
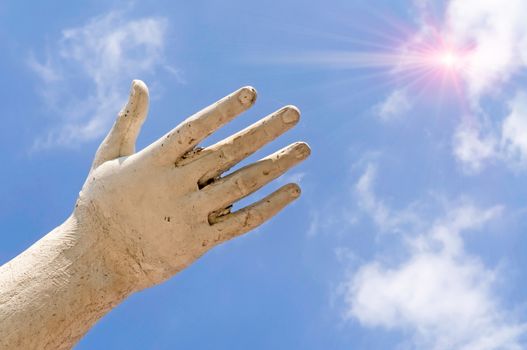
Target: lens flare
point(425, 61)
point(430, 61)
point(449, 59)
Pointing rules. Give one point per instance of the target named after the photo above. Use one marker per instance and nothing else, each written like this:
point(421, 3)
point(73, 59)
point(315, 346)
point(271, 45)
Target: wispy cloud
point(85, 74)
point(472, 149)
point(476, 146)
point(443, 296)
point(395, 106)
point(514, 131)
point(385, 218)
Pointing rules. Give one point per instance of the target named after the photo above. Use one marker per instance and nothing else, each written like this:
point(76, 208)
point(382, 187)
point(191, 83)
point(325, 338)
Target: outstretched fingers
point(169, 148)
point(234, 224)
point(243, 182)
point(220, 157)
point(121, 139)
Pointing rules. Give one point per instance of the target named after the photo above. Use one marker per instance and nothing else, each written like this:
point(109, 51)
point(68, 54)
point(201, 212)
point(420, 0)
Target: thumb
point(120, 141)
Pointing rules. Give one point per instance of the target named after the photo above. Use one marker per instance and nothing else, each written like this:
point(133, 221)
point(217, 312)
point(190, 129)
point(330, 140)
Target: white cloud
point(496, 31)
point(475, 150)
point(472, 149)
point(441, 295)
point(395, 106)
point(495, 34)
point(443, 301)
point(85, 79)
point(386, 219)
point(44, 70)
point(514, 131)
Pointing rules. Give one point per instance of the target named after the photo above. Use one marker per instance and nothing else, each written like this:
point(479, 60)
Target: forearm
point(53, 293)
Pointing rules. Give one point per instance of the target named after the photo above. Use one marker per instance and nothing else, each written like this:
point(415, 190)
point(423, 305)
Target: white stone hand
point(160, 209)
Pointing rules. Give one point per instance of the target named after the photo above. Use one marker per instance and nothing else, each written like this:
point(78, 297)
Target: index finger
point(194, 129)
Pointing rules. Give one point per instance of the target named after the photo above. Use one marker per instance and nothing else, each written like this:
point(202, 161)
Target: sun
point(449, 59)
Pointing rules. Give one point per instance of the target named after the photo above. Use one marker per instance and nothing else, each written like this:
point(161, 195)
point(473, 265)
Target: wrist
point(97, 258)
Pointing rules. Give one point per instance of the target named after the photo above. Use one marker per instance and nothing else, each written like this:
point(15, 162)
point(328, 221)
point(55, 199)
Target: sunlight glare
point(449, 59)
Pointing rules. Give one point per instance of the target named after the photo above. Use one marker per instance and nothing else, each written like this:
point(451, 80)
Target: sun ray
point(392, 55)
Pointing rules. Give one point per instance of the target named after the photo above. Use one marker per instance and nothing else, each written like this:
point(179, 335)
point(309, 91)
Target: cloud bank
point(440, 294)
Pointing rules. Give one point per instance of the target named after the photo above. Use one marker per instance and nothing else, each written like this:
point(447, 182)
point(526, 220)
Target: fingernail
point(302, 150)
point(294, 190)
point(137, 86)
point(247, 95)
point(290, 115)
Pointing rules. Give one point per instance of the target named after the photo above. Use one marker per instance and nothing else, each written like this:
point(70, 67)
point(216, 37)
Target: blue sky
point(410, 230)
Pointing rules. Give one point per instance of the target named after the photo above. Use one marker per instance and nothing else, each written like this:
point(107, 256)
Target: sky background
point(410, 233)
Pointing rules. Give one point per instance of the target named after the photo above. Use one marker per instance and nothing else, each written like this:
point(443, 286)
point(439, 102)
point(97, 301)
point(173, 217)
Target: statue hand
point(157, 210)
